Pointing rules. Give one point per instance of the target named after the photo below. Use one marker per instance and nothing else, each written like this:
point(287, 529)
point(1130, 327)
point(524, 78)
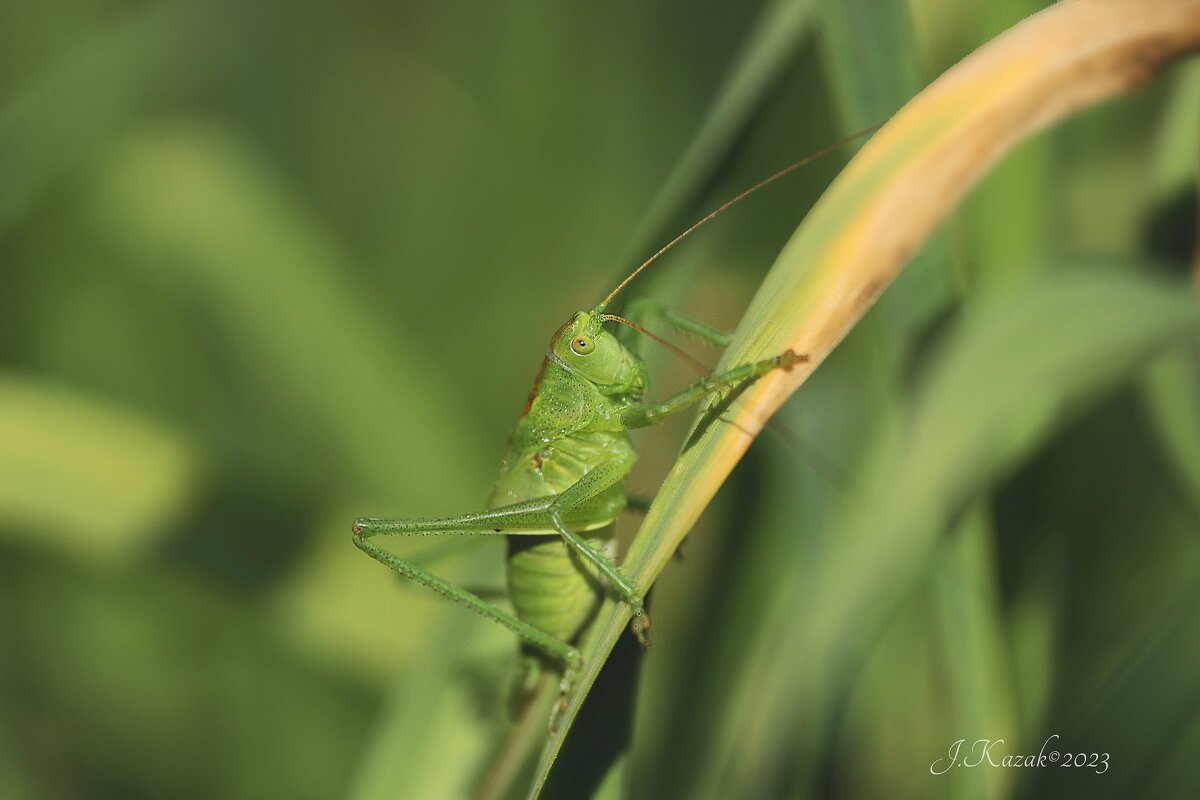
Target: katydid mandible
point(561, 483)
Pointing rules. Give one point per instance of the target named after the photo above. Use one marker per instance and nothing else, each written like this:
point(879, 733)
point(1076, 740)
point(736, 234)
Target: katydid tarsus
point(561, 483)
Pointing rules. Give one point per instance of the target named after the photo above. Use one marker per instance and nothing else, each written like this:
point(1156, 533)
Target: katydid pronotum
point(561, 484)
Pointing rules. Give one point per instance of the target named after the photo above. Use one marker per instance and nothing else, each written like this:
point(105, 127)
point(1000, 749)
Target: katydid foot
point(789, 358)
point(640, 627)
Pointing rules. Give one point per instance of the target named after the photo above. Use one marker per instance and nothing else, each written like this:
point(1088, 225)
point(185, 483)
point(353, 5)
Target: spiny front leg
point(641, 415)
point(644, 309)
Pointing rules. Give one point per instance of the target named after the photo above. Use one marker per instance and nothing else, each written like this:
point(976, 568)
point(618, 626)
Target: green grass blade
point(237, 238)
point(770, 45)
point(62, 118)
point(1171, 391)
point(872, 61)
point(972, 641)
point(1172, 387)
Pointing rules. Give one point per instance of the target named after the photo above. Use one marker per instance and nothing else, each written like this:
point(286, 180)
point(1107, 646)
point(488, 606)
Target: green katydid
point(560, 486)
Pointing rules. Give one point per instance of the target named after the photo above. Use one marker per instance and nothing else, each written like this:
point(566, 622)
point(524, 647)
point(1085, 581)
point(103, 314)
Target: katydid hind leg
point(540, 516)
point(594, 482)
point(528, 517)
point(557, 649)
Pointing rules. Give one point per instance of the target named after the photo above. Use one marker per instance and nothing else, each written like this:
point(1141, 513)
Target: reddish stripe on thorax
point(537, 385)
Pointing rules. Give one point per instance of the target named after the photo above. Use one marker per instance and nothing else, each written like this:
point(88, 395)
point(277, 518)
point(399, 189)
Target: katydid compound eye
point(581, 345)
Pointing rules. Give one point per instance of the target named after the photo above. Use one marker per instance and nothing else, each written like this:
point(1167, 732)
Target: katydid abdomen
point(549, 585)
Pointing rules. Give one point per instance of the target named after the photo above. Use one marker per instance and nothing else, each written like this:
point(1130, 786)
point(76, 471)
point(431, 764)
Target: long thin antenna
point(719, 209)
point(682, 354)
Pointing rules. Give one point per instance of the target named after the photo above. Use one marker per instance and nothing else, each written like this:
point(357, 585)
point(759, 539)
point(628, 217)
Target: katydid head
point(589, 351)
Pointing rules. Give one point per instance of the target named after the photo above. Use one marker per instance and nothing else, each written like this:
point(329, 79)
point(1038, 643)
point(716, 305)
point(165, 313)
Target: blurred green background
point(268, 267)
